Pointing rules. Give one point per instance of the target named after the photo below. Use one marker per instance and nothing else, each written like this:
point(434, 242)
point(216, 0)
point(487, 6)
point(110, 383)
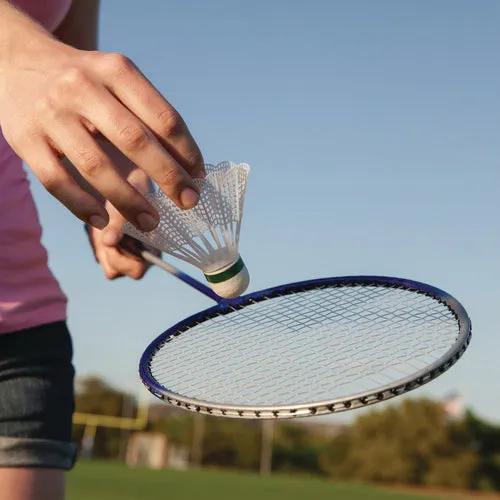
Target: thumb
point(113, 233)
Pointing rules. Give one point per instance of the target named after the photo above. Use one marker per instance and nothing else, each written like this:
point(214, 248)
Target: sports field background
point(100, 480)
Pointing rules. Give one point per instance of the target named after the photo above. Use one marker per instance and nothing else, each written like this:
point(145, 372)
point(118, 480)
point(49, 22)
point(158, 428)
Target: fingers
point(97, 169)
point(137, 93)
point(49, 170)
point(137, 142)
point(115, 265)
point(112, 235)
point(114, 260)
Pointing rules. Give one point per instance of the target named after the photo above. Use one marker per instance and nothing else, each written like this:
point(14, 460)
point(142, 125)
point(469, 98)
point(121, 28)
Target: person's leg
point(36, 407)
point(19, 483)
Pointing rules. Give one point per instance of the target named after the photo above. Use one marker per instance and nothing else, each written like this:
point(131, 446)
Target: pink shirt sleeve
point(49, 13)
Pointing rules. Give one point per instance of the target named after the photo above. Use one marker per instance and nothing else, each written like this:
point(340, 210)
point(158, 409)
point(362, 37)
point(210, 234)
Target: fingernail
point(189, 197)
point(146, 221)
point(98, 221)
point(111, 238)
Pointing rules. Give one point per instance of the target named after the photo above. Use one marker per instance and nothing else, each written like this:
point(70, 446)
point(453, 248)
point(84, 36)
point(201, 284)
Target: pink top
point(29, 293)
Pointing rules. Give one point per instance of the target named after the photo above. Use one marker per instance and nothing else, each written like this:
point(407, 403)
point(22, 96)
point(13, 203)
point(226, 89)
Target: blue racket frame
point(227, 306)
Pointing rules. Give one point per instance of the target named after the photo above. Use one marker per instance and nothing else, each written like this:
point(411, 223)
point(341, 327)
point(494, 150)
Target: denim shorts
point(37, 398)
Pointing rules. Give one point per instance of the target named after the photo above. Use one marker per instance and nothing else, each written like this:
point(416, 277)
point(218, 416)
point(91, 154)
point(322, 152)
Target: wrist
point(23, 45)
point(18, 33)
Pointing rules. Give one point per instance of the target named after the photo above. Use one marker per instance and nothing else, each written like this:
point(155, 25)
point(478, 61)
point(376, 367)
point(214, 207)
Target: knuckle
point(194, 159)
point(171, 123)
point(170, 178)
point(72, 78)
point(68, 86)
point(110, 275)
point(133, 137)
point(44, 106)
point(90, 162)
point(49, 107)
point(116, 63)
point(51, 182)
point(138, 272)
point(109, 271)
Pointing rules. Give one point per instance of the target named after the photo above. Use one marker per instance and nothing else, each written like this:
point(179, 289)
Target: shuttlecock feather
point(206, 236)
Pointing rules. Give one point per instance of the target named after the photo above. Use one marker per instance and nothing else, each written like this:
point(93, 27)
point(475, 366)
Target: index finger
point(139, 95)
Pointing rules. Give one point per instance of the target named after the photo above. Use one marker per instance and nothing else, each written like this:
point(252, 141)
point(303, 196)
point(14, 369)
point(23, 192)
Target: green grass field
point(114, 481)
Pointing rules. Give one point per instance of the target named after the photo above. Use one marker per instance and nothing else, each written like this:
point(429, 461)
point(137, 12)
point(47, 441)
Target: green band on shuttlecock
point(227, 274)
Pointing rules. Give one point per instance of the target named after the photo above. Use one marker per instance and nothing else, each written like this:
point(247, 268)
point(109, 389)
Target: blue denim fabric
point(37, 398)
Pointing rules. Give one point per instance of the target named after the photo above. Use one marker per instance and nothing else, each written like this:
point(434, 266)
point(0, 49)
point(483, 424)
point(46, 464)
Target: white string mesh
point(314, 345)
point(207, 235)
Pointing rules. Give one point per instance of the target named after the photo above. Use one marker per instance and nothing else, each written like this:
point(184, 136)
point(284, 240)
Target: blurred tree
point(485, 439)
point(231, 443)
point(412, 443)
point(94, 395)
point(296, 449)
point(225, 443)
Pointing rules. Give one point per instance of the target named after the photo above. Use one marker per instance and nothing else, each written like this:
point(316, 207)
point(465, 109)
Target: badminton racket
point(302, 349)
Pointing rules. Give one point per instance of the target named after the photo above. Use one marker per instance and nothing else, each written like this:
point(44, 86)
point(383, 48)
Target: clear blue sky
point(372, 129)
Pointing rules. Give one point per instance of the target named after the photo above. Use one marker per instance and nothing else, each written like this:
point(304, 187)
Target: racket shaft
point(153, 259)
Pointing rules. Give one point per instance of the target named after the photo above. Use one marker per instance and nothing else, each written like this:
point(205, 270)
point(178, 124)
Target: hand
point(111, 253)
point(56, 100)
point(115, 257)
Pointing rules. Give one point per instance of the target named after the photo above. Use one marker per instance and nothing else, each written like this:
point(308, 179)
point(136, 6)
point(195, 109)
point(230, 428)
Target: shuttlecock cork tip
point(230, 281)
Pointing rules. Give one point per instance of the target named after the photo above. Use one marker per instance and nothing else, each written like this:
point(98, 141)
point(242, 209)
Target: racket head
point(458, 337)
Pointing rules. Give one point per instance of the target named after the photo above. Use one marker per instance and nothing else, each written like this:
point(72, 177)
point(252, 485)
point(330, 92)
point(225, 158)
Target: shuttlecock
point(206, 236)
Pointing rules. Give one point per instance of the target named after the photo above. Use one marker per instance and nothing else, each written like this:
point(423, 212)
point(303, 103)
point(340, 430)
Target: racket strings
point(307, 346)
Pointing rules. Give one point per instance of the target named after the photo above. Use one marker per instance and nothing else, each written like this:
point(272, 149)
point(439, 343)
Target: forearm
point(19, 34)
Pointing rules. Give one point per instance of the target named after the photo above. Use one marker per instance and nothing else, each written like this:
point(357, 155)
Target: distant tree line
point(414, 442)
